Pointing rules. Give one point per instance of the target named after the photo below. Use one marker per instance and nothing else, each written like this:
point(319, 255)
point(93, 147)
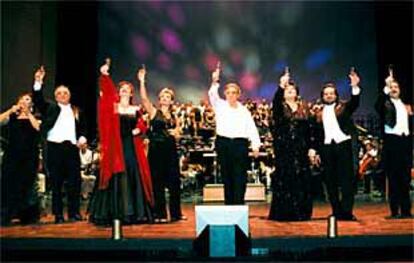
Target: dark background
point(180, 41)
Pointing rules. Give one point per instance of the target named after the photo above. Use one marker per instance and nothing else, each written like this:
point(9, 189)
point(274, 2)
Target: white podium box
point(215, 192)
point(222, 215)
point(222, 231)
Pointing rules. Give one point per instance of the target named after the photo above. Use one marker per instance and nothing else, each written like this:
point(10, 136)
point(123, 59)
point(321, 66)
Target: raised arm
point(146, 102)
point(213, 94)
point(107, 88)
point(38, 98)
point(278, 97)
point(356, 91)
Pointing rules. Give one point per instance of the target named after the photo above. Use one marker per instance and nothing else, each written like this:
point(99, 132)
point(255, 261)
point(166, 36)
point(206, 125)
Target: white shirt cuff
point(356, 90)
point(386, 90)
point(37, 85)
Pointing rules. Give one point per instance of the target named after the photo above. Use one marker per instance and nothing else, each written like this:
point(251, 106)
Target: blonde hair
point(168, 91)
point(233, 84)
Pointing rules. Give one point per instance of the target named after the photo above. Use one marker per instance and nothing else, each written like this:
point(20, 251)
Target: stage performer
point(20, 162)
point(397, 149)
point(64, 128)
point(234, 128)
point(162, 153)
point(335, 126)
point(125, 187)
point(291, 182)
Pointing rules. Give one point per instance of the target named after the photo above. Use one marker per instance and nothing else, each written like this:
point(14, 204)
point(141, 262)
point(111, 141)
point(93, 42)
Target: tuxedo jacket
point(343, 112)
point(50, 111)
point(387, 111)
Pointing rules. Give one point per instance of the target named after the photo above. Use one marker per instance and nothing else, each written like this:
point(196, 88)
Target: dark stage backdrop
point(28, 38)
point(59, 35)
point(180, 42)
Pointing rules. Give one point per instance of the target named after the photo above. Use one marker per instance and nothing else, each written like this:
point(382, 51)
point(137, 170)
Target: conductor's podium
point(215, 192)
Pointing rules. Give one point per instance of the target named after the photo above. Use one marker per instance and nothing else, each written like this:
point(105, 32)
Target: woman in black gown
point(20, 163)
point(291, 200)
point(162, 153)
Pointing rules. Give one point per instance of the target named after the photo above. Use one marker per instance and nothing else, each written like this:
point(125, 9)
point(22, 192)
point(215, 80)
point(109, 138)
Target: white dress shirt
point(330, 122)
point(65, 126)
point(233, 122)
point(401, 125)
point(331, 126)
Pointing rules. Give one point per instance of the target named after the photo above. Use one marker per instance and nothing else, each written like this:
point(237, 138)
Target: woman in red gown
point(125, 189)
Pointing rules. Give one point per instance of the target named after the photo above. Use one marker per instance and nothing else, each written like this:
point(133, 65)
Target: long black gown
point(132, 206)
point(19, 173)
point(165, 172)
point(291, 182)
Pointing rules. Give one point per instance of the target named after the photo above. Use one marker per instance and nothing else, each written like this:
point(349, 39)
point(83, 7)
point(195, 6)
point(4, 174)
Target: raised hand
point(215, 76)
point(354, 78)
point(105, 67)
point(142, 72)
point(390, 77)
point(40, 74)
point(284, 79)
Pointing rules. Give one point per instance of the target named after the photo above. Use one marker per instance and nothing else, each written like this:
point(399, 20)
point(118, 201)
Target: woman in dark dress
point(291, 200)
point(124, 174)
point(20, 163)
point(162, 154)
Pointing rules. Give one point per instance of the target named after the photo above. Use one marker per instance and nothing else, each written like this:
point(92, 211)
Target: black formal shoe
point(59, 220)
point(393, 216)
point(406, 216)
point(182, 217)
point(74, 218)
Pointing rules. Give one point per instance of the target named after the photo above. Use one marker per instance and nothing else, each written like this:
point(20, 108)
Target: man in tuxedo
point(64, 128)
point(397, 147)
point(334, 128)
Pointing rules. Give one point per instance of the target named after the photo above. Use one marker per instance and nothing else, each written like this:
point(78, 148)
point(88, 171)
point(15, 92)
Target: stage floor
point(371, 222)
point(371, 238)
